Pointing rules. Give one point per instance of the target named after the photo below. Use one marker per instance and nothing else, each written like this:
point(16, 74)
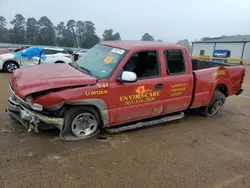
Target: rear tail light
point(243, 76)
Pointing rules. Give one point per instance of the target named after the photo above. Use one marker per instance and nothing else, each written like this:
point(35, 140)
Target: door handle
point(159, 86)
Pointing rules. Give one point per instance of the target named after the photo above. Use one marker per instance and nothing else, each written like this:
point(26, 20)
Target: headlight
point(37, 107)
point(34, 106)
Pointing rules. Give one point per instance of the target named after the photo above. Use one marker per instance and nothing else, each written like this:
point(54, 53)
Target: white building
point(237, 46)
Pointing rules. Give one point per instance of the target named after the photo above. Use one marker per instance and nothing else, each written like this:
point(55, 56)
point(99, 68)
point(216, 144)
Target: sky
point(169, 20)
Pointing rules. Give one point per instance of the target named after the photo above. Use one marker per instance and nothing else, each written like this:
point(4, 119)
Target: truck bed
point(209, 75)
point(198, 64)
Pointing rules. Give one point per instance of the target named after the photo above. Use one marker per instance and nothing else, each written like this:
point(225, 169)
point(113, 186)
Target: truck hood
point(44, 77)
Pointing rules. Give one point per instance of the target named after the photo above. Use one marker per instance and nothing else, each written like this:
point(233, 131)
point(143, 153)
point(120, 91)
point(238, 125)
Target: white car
point(81, 53)
point(53, 55)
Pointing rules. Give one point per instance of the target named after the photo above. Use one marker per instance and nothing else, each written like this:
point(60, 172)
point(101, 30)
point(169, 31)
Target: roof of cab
point(128, 45)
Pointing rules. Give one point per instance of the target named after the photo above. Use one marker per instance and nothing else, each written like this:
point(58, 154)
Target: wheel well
point(67, 107)
point(222, 88)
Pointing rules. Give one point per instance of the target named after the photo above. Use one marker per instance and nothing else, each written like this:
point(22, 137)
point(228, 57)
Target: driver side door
point(141, 99)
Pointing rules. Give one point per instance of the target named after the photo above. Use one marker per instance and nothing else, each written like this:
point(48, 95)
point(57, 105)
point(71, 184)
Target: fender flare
point(98, 104)
point(224, 81)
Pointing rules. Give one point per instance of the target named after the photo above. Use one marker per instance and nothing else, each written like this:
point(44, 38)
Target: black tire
point(59, 62)
point(10, 63)
point(70, 114)
point(214, 107)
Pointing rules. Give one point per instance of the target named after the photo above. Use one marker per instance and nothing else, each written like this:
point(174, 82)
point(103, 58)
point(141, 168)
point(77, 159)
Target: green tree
point(47, 32)
point(32, 30)
point(71, 26)
point(60, 34)
point(185, 43)
point(147, 37)
point(3, 30)
point(80, 32)
point(89, 35)
point(108, 35)
point(17, 34)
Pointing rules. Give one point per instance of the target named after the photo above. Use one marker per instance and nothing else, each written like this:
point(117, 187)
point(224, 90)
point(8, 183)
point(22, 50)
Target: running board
point(145, 124)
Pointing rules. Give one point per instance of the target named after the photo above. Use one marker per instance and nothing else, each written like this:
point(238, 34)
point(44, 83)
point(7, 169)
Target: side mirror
point(128, 76)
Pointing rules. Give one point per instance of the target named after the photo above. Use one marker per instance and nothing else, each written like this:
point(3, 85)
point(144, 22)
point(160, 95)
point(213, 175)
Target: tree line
point(43, 32)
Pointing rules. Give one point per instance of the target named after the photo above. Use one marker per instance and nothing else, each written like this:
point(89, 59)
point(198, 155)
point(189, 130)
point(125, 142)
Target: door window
point(175, 63)
point(50, 52)
point(145, 64)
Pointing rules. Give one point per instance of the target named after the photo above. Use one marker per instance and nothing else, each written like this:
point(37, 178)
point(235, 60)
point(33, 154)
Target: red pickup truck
point(118, 86)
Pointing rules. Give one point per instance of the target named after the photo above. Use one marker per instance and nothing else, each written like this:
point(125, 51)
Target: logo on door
point(140, 90)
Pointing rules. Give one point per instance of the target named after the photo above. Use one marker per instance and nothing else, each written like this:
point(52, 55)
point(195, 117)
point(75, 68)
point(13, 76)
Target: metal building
point(237, 46)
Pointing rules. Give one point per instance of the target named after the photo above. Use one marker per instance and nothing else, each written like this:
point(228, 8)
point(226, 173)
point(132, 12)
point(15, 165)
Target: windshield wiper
point(89, 72)
point(83, 69)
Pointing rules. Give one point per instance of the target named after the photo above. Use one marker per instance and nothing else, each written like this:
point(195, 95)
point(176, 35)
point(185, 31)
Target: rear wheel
point(10, 66)
point(80, 123)
point(214, 107)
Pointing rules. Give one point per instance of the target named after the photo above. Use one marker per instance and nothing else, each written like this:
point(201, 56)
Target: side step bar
point(145, 124)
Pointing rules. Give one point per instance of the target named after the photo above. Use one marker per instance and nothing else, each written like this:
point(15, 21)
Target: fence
point(8, 45)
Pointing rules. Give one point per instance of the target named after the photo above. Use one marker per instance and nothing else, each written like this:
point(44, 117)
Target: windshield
point(101, 60)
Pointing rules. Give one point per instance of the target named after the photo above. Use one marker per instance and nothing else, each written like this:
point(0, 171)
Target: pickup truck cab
point(118, 86)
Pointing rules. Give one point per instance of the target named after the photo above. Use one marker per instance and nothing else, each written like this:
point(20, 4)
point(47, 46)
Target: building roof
point(128, 45)
point(227, 39)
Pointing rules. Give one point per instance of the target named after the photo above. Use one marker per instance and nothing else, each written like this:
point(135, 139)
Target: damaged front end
point(30, 114)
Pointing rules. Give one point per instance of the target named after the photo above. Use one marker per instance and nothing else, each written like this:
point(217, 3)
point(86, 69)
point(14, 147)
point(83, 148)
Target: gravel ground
point(192, 152)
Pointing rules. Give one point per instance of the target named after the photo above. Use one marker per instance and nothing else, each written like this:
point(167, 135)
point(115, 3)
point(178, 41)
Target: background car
point(53, 55)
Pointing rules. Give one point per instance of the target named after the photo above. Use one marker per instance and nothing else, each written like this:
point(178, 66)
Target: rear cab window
point(175, 63)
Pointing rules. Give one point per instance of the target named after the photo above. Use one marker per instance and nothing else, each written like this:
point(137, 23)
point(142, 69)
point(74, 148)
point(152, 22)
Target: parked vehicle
point(8, 62)
point(81, 52)
point(119, 86)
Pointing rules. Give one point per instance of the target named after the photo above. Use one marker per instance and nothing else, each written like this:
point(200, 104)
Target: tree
point(147, 37)
point(47, 32)
point(185, 43)
point(108, 35)
point(17, 34)
point(32, 30)
point(71, 26)
point(79, 32)
point(89, 35)
point(159, 40)
point(3, 30)
point(61, 34)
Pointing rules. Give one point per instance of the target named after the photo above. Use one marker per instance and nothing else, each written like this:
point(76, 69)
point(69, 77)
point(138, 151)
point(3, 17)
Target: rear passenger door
point(50, 55)
point(178, 82)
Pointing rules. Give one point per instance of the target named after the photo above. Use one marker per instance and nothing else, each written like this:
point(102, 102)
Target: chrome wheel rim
point(216, 107)
point(11, 67)
point(83, 125)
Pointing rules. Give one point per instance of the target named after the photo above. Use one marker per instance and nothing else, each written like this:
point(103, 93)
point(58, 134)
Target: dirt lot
point(193, 152)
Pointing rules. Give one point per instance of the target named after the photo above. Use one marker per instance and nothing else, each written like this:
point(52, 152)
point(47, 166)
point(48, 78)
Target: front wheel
point(80, 123)
point(214, 107)
point(10, 66)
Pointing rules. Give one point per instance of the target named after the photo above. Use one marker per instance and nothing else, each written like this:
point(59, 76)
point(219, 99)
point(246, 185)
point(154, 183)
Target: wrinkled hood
point(47, 76)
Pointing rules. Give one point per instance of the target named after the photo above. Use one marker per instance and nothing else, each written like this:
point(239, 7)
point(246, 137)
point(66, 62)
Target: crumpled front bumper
point(27, 116)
